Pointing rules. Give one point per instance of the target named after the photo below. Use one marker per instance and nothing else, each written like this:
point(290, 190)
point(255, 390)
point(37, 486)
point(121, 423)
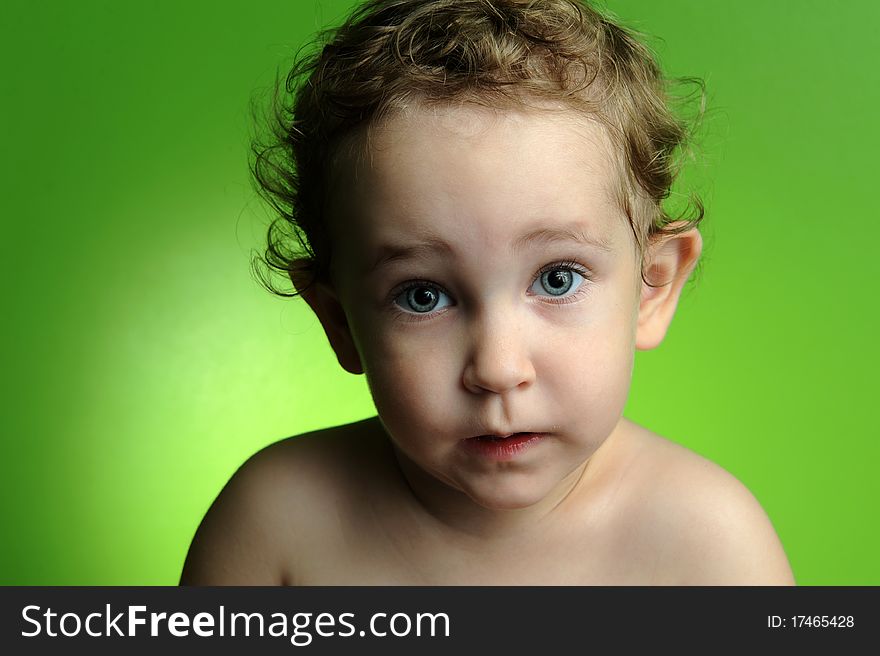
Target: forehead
point(483, 174)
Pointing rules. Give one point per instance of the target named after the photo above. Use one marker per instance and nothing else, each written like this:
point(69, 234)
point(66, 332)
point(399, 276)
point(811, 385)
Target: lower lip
point(505, 448)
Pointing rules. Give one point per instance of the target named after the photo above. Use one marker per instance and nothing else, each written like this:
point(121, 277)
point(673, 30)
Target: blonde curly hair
point(390, 55)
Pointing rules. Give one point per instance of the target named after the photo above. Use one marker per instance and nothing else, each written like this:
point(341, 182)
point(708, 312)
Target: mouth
point(498, 438)
point(503, 447)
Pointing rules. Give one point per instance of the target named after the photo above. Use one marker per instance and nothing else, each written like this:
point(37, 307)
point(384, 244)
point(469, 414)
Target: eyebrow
point(420, 249)
point(553, 235)
point(427, 246)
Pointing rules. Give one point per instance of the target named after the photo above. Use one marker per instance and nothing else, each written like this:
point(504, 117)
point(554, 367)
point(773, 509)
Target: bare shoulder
point(267, 512)
point(712, 528)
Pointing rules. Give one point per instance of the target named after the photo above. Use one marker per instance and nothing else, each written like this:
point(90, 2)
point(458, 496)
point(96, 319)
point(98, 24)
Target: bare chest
point(381, 556)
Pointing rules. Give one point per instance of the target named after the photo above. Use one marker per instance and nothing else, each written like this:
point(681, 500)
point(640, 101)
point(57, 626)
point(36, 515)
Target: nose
point(499, 359)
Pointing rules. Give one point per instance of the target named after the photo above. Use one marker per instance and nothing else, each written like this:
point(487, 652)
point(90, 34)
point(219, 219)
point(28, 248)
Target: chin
point(505, 504)
point(514, 500)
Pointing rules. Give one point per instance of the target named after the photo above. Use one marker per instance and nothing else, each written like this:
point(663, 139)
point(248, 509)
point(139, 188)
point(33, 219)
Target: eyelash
point(422, 316)
point(571, 266)
point(402, 314)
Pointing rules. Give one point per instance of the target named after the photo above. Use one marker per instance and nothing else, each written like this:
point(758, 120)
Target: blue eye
point(558, 281)
point(421, 298)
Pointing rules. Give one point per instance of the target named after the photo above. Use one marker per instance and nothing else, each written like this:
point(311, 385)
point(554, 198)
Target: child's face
point(491, 286)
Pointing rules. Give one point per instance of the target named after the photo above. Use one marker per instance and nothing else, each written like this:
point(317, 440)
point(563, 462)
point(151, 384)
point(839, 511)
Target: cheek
point(410, 380)
point(589, 367)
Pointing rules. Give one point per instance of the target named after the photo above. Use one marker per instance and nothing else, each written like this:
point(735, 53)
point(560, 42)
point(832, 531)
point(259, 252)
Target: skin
point(467, 208)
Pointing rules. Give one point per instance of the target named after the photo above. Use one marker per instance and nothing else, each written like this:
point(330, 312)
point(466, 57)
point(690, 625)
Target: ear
point(669, 262)
point(324, 301)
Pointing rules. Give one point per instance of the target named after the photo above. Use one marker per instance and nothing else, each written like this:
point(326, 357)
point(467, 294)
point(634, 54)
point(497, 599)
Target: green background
point(142, 363)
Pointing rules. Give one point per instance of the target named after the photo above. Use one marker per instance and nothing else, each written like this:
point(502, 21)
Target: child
point(470, 197)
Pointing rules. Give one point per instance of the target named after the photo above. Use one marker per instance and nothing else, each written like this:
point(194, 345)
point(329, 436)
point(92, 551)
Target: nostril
point(497, 380)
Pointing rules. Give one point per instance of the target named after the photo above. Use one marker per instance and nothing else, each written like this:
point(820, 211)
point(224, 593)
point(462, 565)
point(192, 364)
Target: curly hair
point(389, 55)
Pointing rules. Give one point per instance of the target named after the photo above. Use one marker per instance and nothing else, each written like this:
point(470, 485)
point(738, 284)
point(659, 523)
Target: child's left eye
point(558, 281)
